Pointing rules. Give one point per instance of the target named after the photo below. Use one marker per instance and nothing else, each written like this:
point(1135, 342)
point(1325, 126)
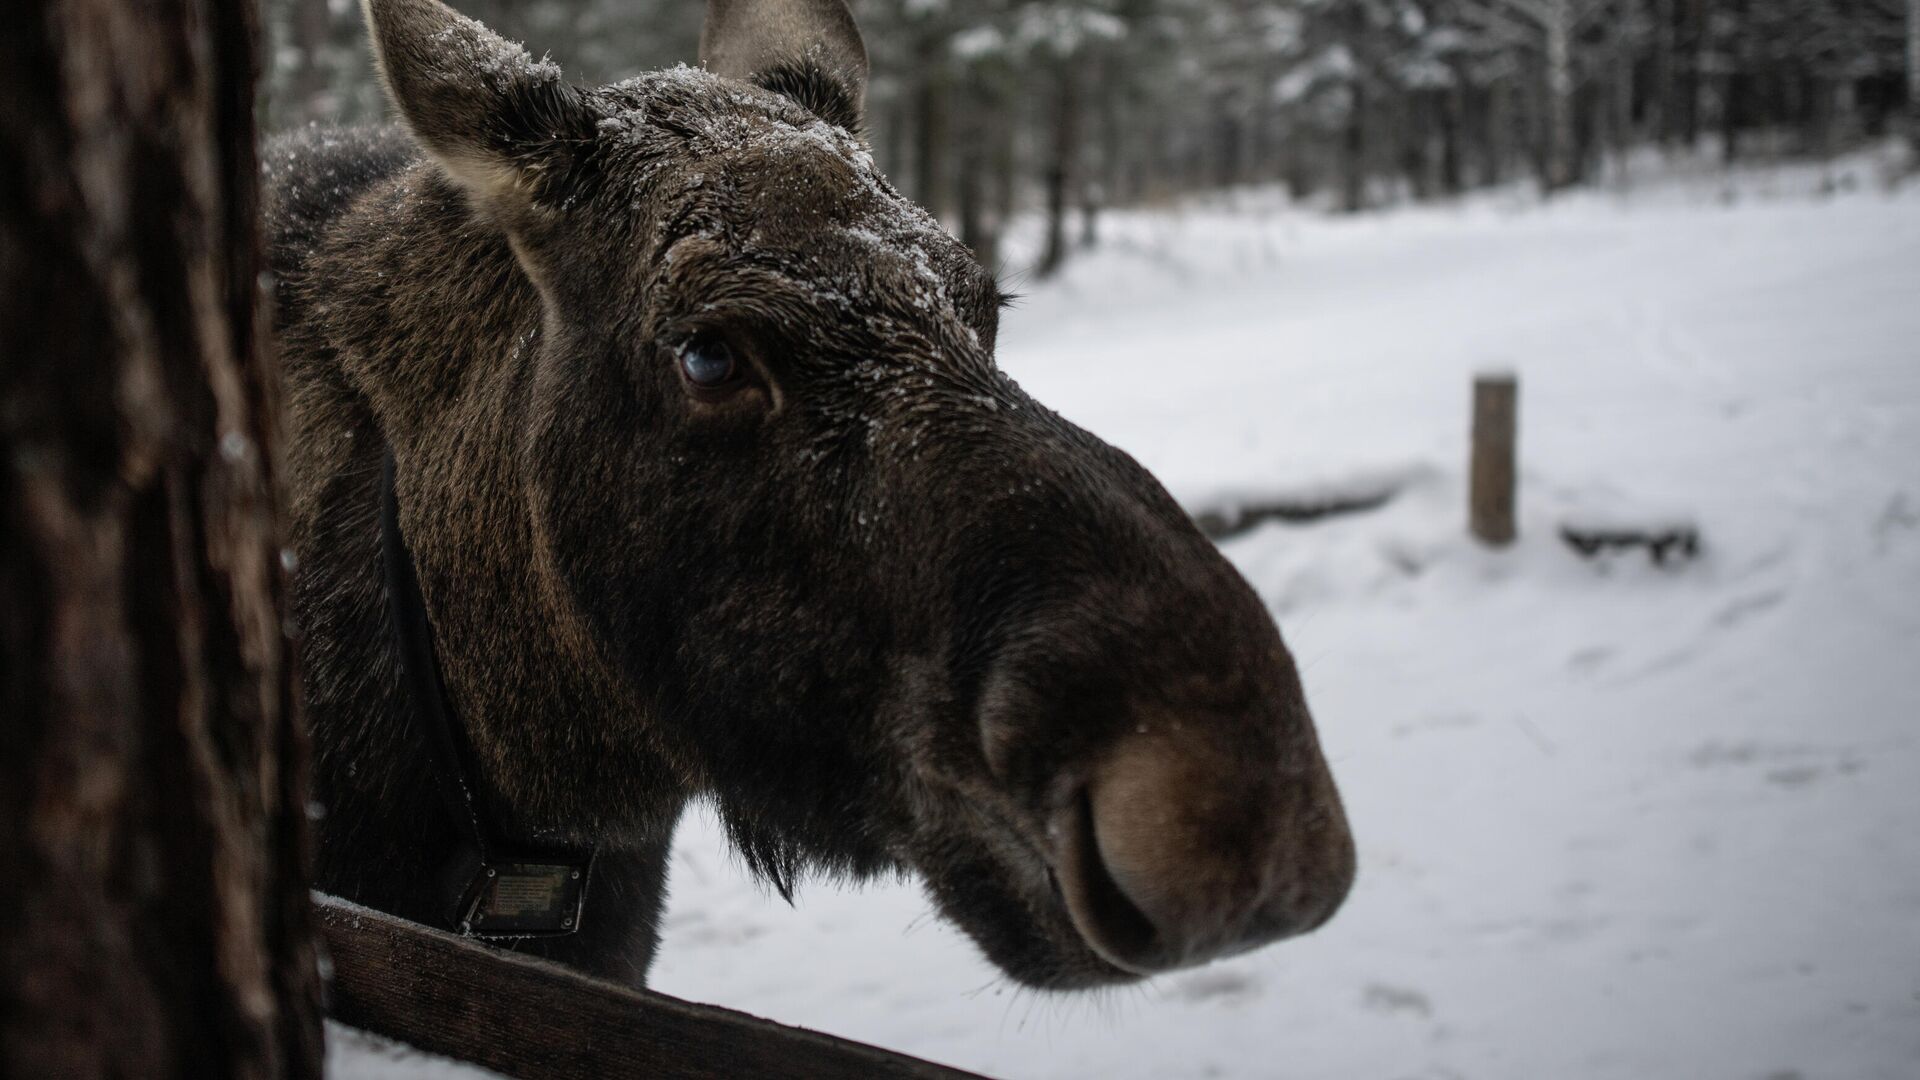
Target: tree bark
point(1230, 143)
point(1061, 166)
point(1621, 98)
point(152, 776)
point(1913, 79)
point(311, 33)
point(1735, 84)
point(1691, 85)
point(1353, 153)
point(1732, 113)
point(930, 129)
point(1415, 115)
point(1003, 168)
point(1116, 124)
point(890, 138)
point(1496, 119)
point(980, 114)
point(1659, 96)
point(1452, 118)
point(1558, 28)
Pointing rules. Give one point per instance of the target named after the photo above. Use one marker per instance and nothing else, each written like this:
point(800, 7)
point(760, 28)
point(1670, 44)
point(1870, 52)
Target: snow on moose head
point(716, 491)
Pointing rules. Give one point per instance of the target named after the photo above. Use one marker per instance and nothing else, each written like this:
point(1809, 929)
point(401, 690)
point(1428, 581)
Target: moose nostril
point(1107, 919)
point(1170, 857)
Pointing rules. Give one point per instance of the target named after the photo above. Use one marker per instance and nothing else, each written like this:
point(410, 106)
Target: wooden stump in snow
point(1491, 482)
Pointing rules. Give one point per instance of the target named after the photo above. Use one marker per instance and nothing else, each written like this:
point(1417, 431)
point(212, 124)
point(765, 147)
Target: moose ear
point(497, 120)
point(807, 50)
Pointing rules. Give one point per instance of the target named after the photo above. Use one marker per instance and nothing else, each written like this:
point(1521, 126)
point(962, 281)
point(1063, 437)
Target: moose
point(674, 433)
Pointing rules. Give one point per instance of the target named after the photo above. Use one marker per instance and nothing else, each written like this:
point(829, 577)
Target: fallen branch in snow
point(1676, 542)
point(536, 1020)
point(1225, 521)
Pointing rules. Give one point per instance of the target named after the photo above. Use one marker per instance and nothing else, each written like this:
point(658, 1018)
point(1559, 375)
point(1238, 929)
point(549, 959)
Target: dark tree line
point(981, 108)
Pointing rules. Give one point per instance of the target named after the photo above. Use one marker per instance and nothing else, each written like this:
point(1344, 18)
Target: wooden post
point(1490, 490)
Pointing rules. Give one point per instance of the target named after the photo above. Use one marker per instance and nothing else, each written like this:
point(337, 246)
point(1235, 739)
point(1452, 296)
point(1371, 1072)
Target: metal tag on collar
point(532, 896)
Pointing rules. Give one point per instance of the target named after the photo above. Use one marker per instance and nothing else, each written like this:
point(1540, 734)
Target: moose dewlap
point(648, 445)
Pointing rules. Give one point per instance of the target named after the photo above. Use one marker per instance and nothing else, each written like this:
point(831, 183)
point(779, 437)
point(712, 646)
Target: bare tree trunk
point(1230, 141)
point(1620, 118)
point(1089, 161)
point(312, 33)
point(1413, 111)
point(1353, 154)
point(1004, 164)
point(891, 142)
point(1558, 28)
point(1821, 119)
point(970, 200)
point(1090, 199)
point(1735, 87)
point(1589, 131)
point(1260, 140)
point(930, 131)
point(1115, 125)
point(1061, 167)
point(1660, 114)
point(1690, 85)
point(1732, 106)
point(1453, 105)
point(152, 776)
point(1913, 78)
point(1496, 121)
point(980, 115)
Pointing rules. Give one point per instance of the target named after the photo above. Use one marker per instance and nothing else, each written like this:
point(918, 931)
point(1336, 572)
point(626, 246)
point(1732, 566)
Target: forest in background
point(982, 109)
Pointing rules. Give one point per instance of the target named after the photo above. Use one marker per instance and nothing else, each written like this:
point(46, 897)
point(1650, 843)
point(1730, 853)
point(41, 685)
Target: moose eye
point(708, 363)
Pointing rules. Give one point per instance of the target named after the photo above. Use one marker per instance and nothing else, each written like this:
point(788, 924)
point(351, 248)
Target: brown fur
point(886, 610)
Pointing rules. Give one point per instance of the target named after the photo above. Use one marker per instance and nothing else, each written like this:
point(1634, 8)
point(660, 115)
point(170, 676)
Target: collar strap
point(494, 889)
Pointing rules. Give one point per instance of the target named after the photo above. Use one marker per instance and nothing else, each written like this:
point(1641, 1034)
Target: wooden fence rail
point(535, 1020)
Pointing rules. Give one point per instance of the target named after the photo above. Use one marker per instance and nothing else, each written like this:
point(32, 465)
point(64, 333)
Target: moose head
point(715, 490)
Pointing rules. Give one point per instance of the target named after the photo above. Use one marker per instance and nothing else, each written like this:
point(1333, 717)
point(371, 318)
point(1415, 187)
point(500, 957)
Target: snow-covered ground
point(361, 1055)
point(1614, 821)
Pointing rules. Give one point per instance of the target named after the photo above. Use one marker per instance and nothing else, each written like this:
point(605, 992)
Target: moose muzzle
point(1175, 851)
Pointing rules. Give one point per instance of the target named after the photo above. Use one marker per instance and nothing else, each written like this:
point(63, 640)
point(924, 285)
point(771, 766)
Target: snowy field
point(1614, 821)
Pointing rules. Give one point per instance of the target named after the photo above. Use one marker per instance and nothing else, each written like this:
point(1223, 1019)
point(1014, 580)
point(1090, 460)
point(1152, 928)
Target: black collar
point(494, 889)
